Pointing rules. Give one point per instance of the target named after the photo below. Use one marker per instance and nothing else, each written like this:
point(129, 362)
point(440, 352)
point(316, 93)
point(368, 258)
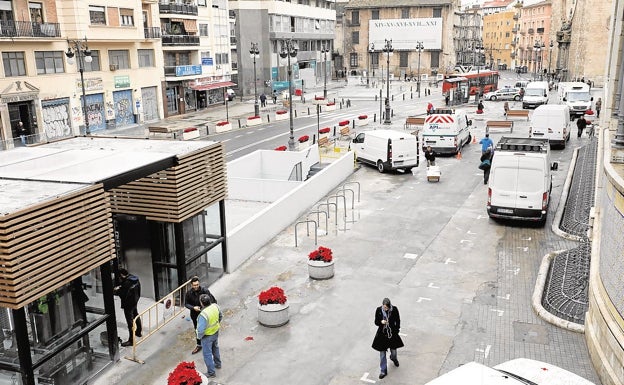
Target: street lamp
point(537, 47)
point(419, 47)
point(388, 50)
point(371, 50)
point(550, 49)
point(324, 51)
point(254, 53)
point(478, 51)
point(81, 48)
point(289, 50)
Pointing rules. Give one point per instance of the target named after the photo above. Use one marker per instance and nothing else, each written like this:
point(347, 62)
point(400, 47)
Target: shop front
point(210, 93)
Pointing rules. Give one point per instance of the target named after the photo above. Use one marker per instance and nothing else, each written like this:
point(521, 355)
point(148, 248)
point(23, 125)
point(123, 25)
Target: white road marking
point(486, 351)
point(526, 239)
point(471, 233)
point(500, 312)
point(465, 240)
point(366, 379)
point(449, 260)
point(410, 256)
point(432, 286)
point(403, 334)
point(523, 248)
point(420, 299)
point(515, 271)
point(505, 297)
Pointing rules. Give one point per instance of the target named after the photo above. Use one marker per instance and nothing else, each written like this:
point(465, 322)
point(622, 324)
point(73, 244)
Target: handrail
point(170, 303)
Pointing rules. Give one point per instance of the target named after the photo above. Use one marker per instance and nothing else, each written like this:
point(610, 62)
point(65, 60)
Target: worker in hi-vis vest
point(208, 324)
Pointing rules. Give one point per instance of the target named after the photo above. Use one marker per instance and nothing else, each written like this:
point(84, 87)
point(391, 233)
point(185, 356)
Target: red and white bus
point(486, 80)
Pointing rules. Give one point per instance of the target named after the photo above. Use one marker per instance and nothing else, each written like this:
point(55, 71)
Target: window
point(437, 12)
point(49, 62)
point(355, 17)
point(126, 17)
point(14, 64)
point(355, 37)
point(435, 59)
point(375, 60)
point(201, 2)
point(184, 58)
point(36, 16)
point(222, 58)
point(146, 57)
point(120, 58)
point(97, 15)
point(203, 30)
point(403, 59)
point(405, 13)
point(6, 11)
point(375, 14)
point(353, 60)
point(95, 62)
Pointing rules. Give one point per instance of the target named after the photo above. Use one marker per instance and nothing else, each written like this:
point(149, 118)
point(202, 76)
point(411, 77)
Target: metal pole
point(325, 68)
point(368, 69)
point(419, 46)
point(254, 54)
point(291, 139)
point(84, 97)
point(388, 50)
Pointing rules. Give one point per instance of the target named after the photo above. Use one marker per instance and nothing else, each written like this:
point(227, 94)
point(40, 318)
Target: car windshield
point(578, 96)
point(534, 92)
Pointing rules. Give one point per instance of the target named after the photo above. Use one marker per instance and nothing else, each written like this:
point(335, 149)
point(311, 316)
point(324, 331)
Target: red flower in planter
point(321, 254)
point(222, 124)
point(303, 138)
point(319, 98)
point(324, 130)
point(253, 117)
point(190, 129)
point(272, 295)
point(281, 112)
point(362, 117)
point(344, 123)
point(331, 104)
point(184, 373)
point(280, 148)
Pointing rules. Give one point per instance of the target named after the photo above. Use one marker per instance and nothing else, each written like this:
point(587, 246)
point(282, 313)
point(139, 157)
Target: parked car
point(506, 93)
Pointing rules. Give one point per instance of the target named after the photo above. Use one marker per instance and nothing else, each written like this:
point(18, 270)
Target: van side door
point(358, 145)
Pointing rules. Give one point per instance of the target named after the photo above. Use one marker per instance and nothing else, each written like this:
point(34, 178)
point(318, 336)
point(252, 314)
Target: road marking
point(482, 216)
point(526, 239)
point(471, 233)
point(410, 256)
point(523, 248)
point(465, 240)
point(505, 297)
point(500, 312)
point(420, 299)
point(366, 379)
point(486, 351)
point(399, 197)
point(515, 271)
point(432, 286)
point(449, 260)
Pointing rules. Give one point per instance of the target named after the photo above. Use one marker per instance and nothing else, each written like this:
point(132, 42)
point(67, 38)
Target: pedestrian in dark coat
point(486, 164)
point(388, 323)
point(192, 302)
point(430, 156)
point(581, 124)
point(129, 291)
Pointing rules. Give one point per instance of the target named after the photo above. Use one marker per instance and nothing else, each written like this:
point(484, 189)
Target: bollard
point(375, 97)
point(295, 113)
point(268, 118)
point(412, 95)
point(308, 110)
point(392, 98)
point(353, 124)
point(411, 88)
point(334, 131)
point(314, 139)
point(374, 117)
point(239, 125)
point(392, 113)
point(403, 96)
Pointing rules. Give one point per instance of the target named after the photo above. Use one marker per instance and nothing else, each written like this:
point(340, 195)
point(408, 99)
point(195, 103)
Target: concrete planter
point(330, 107)
point(254, 121)
point(319, 101)
point(320, 270)
point(282, 116)
point(194, 134)
point(273, 315)
point(361, 122)
point(303, 145)
point(224, 128)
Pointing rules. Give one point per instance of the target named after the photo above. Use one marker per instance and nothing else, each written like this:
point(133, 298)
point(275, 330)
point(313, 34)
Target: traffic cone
point(459, 155)
point(474, 139)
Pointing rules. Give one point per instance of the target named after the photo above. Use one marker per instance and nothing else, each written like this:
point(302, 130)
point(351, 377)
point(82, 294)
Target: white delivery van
point(535, 94)
point(386, 149)
point(446, 131)
point(520, 180)
point(576, 95)
point(521, 371)
point(552, 122)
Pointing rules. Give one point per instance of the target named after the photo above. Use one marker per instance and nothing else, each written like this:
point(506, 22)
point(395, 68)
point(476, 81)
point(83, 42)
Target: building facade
point(535, 36)
point(467, 34)
point(497, 38)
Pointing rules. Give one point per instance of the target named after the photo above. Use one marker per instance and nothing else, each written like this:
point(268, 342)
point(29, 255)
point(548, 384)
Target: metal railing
point(182, 9)
point(158, 315)
point(180, 40)
point(152, 33)
point(10, 28)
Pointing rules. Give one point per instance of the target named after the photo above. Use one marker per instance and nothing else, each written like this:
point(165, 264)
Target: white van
point(576, 95)
point(521, 371)
point(386, 149)
point(446, 131)
point(535, 94)
point(520, 180)
point(552, 122)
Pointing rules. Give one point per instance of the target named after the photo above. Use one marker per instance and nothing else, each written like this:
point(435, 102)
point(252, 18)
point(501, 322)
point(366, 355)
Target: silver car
point(507, 93)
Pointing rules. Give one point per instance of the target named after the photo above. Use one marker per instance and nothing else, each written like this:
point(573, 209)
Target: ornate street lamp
point(550, 49)
point(289, 50)
point(324, 51)
point(478, 51)
point(388, 50)
point(81, 49)
point(537, 48)
point(254, 53)
point(419, 47)
point(371, 50)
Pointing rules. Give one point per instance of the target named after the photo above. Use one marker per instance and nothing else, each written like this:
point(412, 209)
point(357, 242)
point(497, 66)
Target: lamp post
point(537, 47)
point(324, 51)
point(419, 47)
point(254, 53)
point(81, 48)
point(550, 49)
point(289, 50)
point(388, 50)
point(371, 49)
point(478, 51)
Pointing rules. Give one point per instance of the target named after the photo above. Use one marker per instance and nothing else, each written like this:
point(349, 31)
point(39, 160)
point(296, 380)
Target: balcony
point(531, 31)
point(516, 17)
point(12, 28)
point(185, 40)
point(540, 30)
point(233, 40)
point(152, 33)
point(513, 43)
point(514, 29)
point(180, 9)
point(353, 23)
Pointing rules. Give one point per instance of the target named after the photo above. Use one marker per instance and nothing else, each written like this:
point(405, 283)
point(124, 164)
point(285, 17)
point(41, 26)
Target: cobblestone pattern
point(612, 248)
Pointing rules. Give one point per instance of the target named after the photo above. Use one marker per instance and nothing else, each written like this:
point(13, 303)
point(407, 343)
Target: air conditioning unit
point(113, 67)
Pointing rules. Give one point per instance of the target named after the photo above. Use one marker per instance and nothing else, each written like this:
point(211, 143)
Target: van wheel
point(380, 166)
point(517, 98)
point(493, 98)
point(469, 139)
point(408, 170)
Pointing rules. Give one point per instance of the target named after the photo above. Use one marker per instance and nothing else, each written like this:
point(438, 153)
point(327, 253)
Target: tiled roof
point(396, 3)
point(497, 3)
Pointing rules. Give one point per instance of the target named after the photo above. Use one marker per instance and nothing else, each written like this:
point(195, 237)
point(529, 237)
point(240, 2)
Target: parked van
point(521, 83)
point(446, 131)
point(520, 179)
point(386, 149)
point(535, 94)
point(521, 371)
point(576, 95)
point(552, 122)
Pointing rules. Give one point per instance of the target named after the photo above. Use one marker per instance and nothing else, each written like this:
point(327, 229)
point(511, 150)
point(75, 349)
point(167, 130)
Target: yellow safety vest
point(211, 315)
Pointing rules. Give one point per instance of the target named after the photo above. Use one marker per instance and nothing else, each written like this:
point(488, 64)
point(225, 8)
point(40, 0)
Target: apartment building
point(467, 34)
point(498, 36)
point(535, 36)
point(55, 54)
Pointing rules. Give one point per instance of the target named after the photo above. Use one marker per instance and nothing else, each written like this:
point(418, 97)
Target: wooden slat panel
point(45, 246)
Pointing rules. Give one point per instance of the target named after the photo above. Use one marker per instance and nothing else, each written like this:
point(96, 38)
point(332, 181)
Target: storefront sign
point(207, 61)
point(188, 70)
point(92, 84)
point(12, 98)
point(122, 81)
point(406, 32)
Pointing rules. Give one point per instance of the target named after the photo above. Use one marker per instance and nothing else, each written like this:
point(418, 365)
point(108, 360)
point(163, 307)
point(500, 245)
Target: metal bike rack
point(318, 218)
point(315, 230)
point(342, 193)
point(355, 183)
point(329, 213)
point(344, 207)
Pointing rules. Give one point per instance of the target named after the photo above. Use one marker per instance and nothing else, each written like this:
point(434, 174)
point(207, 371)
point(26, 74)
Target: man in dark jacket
point(581, 123)
point(129, 291)
point(486, 164)
point(388, 323)
point(191, 302)
point(430, 156)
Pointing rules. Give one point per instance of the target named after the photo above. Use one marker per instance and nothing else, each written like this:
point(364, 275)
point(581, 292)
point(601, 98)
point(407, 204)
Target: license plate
point(505, 211)
point(431, 142)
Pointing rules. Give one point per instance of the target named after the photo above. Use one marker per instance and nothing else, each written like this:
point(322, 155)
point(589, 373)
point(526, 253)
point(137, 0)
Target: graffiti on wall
point(56, 121)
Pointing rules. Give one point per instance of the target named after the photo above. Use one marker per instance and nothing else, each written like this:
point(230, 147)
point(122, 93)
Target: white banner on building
point(406, 32)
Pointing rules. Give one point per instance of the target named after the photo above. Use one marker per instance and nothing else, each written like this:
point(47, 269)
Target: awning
point(190, 26)
point(212, 86)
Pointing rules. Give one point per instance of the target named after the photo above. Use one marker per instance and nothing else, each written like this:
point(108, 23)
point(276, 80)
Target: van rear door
point(530, 183)
point(504, 183)
point(404, 151)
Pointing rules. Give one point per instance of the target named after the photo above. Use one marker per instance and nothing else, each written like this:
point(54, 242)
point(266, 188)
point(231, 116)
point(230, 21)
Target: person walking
point(506, 108)
point(581, 123)
point(208, 325)
point(486, 143)
point(429, 108)
point(129, 291)
point(191, 302)
point(598, 107)
point(388, 323)
point(274, 96)
point(430, 156)
point(486, 164)
point(263, 100)
point(480, 107)
point(21, 131)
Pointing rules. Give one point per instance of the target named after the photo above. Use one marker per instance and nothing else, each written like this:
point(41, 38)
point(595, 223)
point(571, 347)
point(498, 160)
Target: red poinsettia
point(190, 129)
point(222, 124)
point(280, 148)
point(362, 117)
point(324, 130)
point(184, 374)
point(253, 117)
point(281, 112)
point(344, 123)
point(272, 295)
point(321, 254)
point(303, 138)
point(331, 104)
point(319, 98)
